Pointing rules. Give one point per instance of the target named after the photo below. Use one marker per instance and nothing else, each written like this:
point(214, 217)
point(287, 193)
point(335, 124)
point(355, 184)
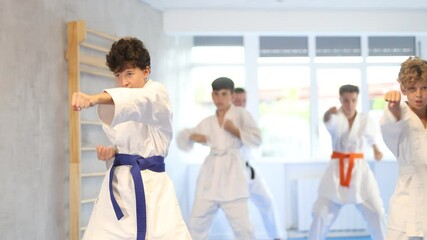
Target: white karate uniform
point(139, 122)
point(221, 182)
point(262, 198)
point(407, 140)
point(363, 190)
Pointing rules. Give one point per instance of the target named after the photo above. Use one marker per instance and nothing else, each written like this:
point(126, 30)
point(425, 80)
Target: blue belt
point(138, 163)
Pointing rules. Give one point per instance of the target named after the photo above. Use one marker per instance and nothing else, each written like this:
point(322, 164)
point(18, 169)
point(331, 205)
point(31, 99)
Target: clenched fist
point(393, 98)
point(105, 153)
point(80, 101)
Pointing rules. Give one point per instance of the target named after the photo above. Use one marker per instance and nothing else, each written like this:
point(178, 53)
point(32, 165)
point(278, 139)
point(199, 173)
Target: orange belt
point(346, 178)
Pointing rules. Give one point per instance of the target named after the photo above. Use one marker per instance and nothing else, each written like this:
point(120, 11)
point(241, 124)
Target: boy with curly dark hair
point(137, 198)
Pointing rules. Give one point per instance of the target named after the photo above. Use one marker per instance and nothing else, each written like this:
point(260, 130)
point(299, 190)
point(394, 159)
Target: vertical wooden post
point(76, 31)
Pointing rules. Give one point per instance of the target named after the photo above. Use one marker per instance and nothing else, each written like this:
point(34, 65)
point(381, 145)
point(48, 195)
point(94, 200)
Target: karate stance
point(259, 193)
point(221, 182)
point(137, 199)
point(348, 178)
point(404, 131)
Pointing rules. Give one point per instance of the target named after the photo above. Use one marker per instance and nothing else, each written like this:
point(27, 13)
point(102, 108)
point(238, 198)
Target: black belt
point(252, 170)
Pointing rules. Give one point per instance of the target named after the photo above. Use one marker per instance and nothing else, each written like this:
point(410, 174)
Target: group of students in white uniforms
point(138, 201)
point(348, 178)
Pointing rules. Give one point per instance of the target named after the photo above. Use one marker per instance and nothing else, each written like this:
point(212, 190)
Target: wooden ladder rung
point(96, 123)
point(88, 149)
point(90, 200)
point(95, 174)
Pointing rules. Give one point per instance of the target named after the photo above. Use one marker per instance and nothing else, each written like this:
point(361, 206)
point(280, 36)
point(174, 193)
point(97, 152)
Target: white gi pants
point(326, 211)
point(237, 214)
point(263, 200)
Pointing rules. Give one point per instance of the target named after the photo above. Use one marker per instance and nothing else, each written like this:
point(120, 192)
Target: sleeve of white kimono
point(149, 105)
point(391, 130)
point(250, 133)
point(183, 140)
point(203, 128)
point(332, 124)
point(371, 132)
point(110, 132)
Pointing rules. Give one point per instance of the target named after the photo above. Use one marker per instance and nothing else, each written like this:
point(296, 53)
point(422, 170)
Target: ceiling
point(165, 5)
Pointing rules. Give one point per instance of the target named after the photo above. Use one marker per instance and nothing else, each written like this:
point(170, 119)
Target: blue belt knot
point(137, 163)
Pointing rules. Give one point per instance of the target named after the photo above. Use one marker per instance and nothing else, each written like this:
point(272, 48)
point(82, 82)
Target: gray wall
point(34, 102)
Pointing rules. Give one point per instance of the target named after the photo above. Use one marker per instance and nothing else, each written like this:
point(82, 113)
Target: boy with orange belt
point(349, 180)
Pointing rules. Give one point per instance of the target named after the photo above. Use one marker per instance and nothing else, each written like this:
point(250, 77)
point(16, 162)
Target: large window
point(297, 78)
point(284, 111)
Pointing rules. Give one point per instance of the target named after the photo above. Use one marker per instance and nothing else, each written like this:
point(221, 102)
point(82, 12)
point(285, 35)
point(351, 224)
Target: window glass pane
point(329, 80)
point(338, 46)
point(218, 55)
point(200, 41)
point(391, 46)
point(380, 80)
point(277, 46)
point(285, 112)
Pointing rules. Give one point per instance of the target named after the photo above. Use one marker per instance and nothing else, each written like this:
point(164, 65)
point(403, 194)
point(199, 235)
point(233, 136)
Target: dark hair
point(239, 90)
point(223, 83)
point(348, 89)
point(128, 53)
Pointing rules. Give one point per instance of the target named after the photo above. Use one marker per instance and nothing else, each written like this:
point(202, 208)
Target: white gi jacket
point(222, 174)
point(407, 140)
point(345, 140)
point(139, 122)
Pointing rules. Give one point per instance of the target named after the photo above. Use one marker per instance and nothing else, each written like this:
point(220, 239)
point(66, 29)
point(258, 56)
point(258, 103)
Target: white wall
point(33, 118)
point(291, 22)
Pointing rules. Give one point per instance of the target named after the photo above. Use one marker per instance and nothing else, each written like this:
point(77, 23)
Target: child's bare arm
point(393, 98)
point(231, 128)
point(199, 138)
point(327, 115)
point(81, 100)
point(378, 155)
